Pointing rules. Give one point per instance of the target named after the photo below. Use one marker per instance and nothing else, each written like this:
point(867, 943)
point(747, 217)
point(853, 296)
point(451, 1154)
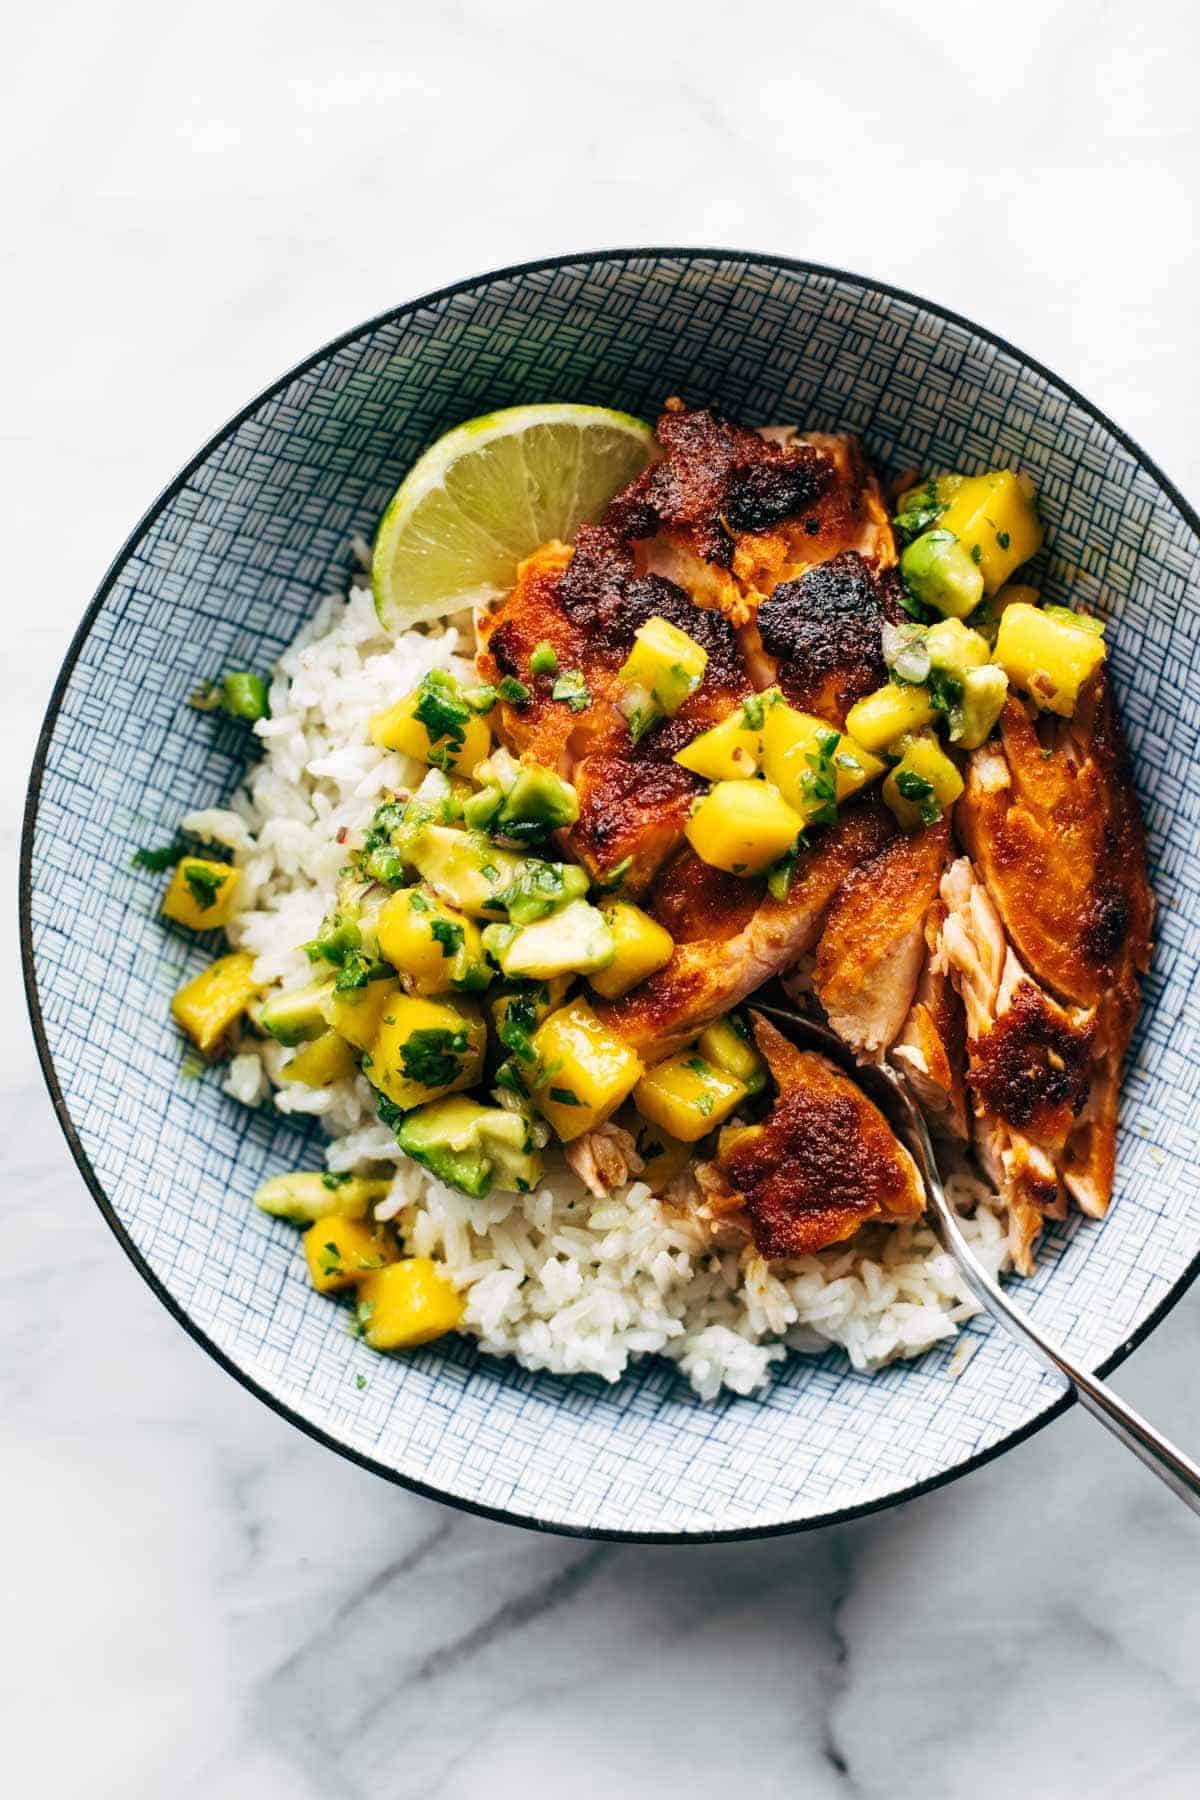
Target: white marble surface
point(198, 1601)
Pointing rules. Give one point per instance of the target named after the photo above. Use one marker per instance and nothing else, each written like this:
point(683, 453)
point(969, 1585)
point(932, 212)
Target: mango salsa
point(743, 826)
point(434, 947)
point(355, 1015)
point(201, 893)
point(585, 1070)
point(311, 1194)
point(209, 1005)
point(666, 662)
point(408, 1303)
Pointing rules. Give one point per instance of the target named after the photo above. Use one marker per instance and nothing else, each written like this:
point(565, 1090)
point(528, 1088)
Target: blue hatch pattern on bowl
point(224, 571)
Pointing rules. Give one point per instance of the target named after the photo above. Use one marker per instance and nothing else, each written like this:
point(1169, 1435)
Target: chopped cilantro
point(818, 783)
point(417, 903)
point(697, 1065)
point(204, 883)
point(360, 1382)
point(752, 712)
point(446, 933)
point(158, 860)
point(441, 709)
point(387, 1112)
point(334, 1181)
point(976, 553)
point(354, 973)
point(336, 940)
point(573, 690)
point(433, 1056)
point(518, 1021)
point(1003, 539)
point(388, 818)
point(565, 1097)
point(537, 891)
point(704, 1105)
point(920, 793)
point(921, 509)
point(615, 877)
point(779, 875)
point(945, 694)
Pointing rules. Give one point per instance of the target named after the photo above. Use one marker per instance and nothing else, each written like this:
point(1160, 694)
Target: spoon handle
point(1171, 1466)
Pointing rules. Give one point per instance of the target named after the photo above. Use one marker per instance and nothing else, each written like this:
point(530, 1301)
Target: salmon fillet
point(823, 1163)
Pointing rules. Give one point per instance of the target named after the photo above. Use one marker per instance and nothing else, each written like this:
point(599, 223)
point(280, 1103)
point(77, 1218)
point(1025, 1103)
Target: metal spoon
point(890, 1091)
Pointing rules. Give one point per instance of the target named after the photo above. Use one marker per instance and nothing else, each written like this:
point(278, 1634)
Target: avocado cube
point(297, 1016)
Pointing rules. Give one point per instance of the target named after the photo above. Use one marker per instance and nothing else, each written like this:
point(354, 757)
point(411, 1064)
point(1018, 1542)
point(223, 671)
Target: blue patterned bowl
point(223, 570)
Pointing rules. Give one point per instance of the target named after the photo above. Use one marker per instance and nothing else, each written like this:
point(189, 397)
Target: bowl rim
point(841, 1515)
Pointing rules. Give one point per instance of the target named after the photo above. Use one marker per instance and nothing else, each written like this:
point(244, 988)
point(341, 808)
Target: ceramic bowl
point(222, 571)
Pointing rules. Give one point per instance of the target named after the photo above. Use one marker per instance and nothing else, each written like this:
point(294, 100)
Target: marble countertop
point(199, 1601)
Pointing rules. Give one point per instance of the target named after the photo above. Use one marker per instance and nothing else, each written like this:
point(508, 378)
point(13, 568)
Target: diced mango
point(666, 662)
point(642, 947)
point(339, 1251)
point(1047, 656)
point(954, 647)
point(209, 1005)
point(727, 1044)
point(687, 1096)
point(308, 1195)
point(356, 1014)
point(201, 893)
point(585, 1070)
point(994, 517)
point(743, 826)
point(398, 728)
point(323, 1061)
point(793, 746)
point(424, 1048)
point(434, 947)
point(731, 751)
point(882, 717)
point(923, 785)
point(987, 617)
point(408, 1303)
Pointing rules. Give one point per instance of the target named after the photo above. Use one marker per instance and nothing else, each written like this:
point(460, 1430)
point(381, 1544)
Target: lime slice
point(488, 493)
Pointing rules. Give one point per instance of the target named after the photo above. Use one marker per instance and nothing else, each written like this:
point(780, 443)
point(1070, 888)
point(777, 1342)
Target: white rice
point(555, 1278)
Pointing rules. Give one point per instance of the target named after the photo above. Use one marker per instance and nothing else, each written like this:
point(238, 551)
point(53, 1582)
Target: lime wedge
point(487, 494)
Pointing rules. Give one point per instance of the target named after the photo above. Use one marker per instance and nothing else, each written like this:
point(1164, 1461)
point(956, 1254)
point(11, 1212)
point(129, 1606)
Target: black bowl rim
point(838, 1516)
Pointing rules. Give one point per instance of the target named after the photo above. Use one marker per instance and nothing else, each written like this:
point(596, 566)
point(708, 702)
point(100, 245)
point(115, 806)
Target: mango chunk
point(339, 1251)
point(585, 1070)
point(209, 1005)
point(435, 725)
point(687, 1096)
point(1048, 655)
point(804, 755)
point(201, 893)
point(731, 751)
point(355, 1015)
point(408, 1303)
point(995, 519)
point(882, 717)
point(424, 1048)
point(743, 826)
point(923, 785)
point(666, 662)
point(434, 947)
point(727, 1044)
point(323, 1061)
point(642, 947)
